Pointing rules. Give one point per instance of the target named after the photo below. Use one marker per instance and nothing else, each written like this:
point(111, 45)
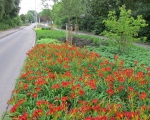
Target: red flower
point(37, 113)
point(95, 100)
point(65, 84)
point(34, 95)
point(56, 86)
point(110, 92)
point(72, 95)
point(23, 116)
point(51, 75)
point(130, 88)
point(25, 86)
point(14, 108)
point(92, 84)
point(101, 75)
point(143, 95)
point(108, 69)
point(81, 92)
point(110, 78)
point(68, 74)
point(64, 98)
point(96, 108)
point(121, 79)
point(140, 74)
point(38, 89)
point(74, 87)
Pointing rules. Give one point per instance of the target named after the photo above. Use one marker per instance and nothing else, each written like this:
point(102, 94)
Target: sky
point(30, 5)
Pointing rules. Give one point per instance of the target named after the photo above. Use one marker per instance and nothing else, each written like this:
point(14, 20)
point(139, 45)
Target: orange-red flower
point(55, 86)
point(81, 92)
point(143, 95)
point(110, 92)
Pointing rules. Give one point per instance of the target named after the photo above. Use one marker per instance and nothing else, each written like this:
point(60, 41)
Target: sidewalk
point(10, 31)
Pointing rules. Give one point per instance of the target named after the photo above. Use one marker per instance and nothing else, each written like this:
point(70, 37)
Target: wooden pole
point(76, 28)
point(67, 31)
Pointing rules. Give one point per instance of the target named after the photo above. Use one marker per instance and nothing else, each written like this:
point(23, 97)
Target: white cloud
point(30, 5)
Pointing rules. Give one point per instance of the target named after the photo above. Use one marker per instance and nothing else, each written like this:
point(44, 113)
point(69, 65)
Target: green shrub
point(99, 26)
point(17, 21)
point(45, 28)
point(124, 29)
point(4, 26)
point(7, 22)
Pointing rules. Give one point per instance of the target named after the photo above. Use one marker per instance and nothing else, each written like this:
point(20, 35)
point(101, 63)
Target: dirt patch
point(80, 42)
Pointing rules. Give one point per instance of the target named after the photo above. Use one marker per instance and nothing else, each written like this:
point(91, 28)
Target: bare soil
point(80, 42)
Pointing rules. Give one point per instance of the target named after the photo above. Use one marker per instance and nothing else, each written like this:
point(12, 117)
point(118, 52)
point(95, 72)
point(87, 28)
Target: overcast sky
point(30, 5)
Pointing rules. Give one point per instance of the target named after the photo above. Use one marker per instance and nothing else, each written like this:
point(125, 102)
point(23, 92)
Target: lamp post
point(35, 15)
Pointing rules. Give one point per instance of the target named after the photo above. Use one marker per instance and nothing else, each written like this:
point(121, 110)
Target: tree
point(23, 18)
point(2, 8)
point(143, 8)
point(30, 16)
point(46, 15)
point(9, 10)
point(123, 30)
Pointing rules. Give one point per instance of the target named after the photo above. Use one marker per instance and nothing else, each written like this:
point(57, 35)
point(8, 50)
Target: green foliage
point(45, 28)
point(4, 26)
point(46, 41)
point(54, 34)
point(144, 10)
point(17, 21)
point(96, 40)
point(30, 16)
point(135, 53)
point(10, 23)
point(124, 29)
point(46, 15)
point(8, 14)
point(2, 8)
point(99, 26)
point(23, 18)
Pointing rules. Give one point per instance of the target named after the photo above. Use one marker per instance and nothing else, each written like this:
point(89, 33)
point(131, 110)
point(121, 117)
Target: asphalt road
point(13, 49)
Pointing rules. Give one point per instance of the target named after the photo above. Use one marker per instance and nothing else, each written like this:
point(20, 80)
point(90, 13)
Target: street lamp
point(35, 15)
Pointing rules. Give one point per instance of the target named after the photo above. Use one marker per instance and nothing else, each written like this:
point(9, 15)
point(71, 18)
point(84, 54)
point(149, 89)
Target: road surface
point(13, 49)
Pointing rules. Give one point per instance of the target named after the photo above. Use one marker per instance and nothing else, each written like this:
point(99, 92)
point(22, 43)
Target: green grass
point(47, 41)
point(54, 34)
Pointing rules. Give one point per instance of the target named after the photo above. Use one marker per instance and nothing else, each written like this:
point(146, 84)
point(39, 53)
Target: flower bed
point(63, 82)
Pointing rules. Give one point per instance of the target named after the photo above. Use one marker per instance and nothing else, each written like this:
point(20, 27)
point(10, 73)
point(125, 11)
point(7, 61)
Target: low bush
point(45, 28)
point(7, 22)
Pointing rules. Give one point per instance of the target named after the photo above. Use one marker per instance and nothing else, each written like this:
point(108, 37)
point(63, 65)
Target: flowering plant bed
point(62, 82)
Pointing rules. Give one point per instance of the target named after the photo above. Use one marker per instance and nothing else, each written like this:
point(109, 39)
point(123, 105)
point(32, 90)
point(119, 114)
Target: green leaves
point(124, 29)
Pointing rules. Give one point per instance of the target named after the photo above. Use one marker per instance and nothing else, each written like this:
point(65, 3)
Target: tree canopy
point(9, 10)
point(91, 13)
